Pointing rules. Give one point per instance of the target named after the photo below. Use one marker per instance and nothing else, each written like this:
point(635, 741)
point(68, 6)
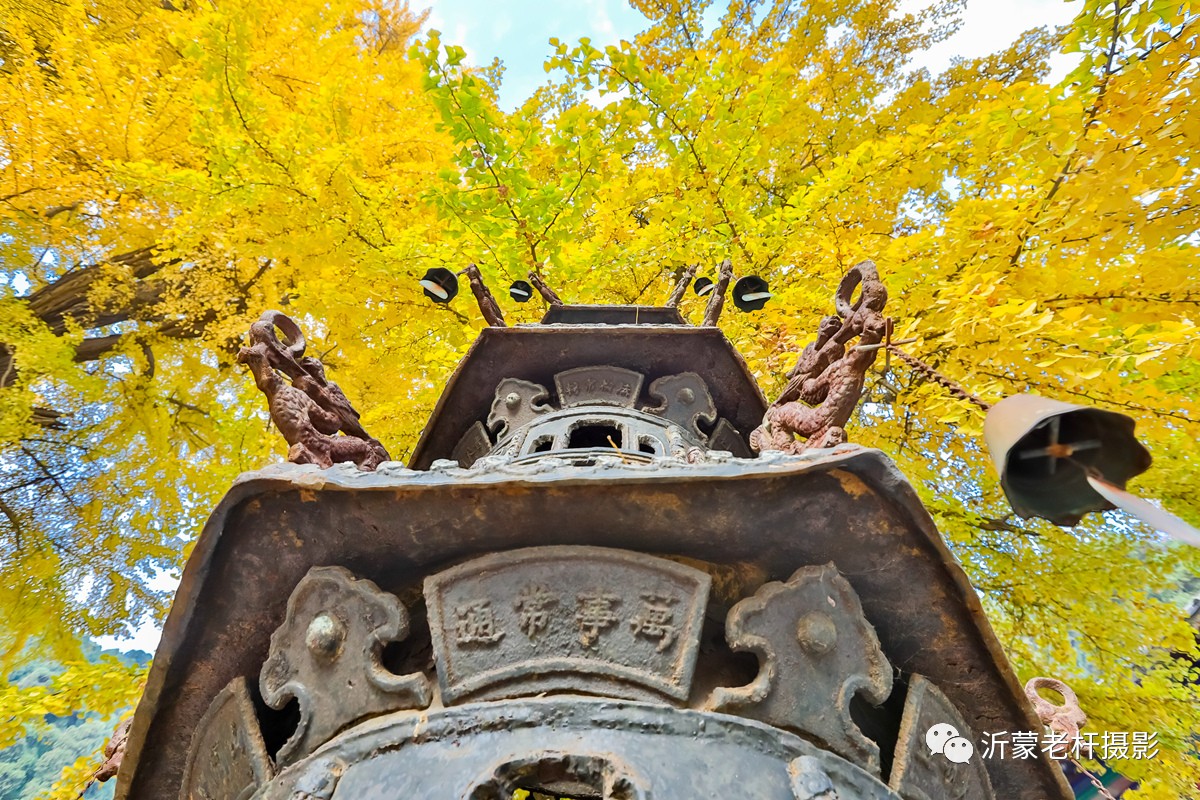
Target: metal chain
point(1091, 776)
point(933, 375)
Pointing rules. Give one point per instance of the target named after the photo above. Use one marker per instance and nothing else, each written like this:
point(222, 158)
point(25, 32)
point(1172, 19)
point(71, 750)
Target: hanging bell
point(1046, 451)
point(440, 285)
point(750, 293)
point(703, 286)
point(520, 291)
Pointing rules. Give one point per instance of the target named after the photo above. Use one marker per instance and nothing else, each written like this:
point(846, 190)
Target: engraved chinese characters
point(583, 618)
point(602, 385)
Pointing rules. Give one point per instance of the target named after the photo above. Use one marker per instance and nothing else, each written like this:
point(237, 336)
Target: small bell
point(1045, 451)
point(440, 285)
point(520, 291)
point(703, 286)
point(750, 293)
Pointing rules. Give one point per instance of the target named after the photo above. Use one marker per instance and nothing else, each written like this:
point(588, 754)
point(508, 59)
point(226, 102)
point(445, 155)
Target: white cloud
point(599, 19)
point(989, 26)
point(144, 636)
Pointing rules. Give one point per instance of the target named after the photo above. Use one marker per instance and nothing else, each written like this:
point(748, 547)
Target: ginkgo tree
point(1034, 237)
point(169, 170)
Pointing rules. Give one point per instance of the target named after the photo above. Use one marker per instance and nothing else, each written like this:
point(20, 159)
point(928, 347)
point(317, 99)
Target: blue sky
point(518, 31)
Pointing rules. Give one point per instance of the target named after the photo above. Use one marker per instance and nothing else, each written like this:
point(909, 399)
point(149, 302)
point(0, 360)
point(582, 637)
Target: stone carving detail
point(595, 612)
point(600, 385)
point(517, 404)
point(684, 399)
point(475, 623)
point(920, 774)
point(656, 619)
point(488, 306)
point(326, 655)
point(816, 651)
point(828, 379)
point(534, 604)
point(227, 760)
point(312, 410)
point(589, 619)
point(682, 447)
point(810, 781)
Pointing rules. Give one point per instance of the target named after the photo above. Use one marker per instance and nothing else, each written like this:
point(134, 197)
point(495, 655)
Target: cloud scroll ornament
point(326, 655)
point(816, 651)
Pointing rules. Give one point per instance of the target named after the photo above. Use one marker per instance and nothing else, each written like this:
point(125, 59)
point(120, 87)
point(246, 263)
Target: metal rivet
point(512, 400)
point(324, 636)
point(686, 396)
point(816, 632)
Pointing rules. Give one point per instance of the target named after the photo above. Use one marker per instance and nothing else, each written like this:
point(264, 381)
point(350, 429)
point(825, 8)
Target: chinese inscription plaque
point(588, 618)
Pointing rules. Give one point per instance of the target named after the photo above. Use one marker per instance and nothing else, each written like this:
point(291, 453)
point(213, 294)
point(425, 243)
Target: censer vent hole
point(589, 436)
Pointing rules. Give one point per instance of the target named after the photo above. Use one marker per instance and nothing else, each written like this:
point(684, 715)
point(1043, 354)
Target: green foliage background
point(35, 762)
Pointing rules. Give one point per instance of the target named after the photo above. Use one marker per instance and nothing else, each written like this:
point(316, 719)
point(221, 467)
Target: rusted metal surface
point(612, 315)
point(1066, 720)
point(517, 404)
point(921, 774)
point(685, 400)
point(587, 747)
point(526, 360)
point(228, 759)
point(312, 410)
point(549, 295)
point(827, 382)
point(716, 302)
point(851, 508)
point(326, 655)
point(594, 408)
point(585, 619)
point(810, 781)
point(681, 286)
point(816, 651)
point(626, 432)
point(474, 445)
point(599, 385)
point(114, 752)
point(726, 437)
point(652, 538)
point(488, 306)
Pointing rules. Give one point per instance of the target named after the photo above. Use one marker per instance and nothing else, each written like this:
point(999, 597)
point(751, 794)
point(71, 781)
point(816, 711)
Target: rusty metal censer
point(609, 570)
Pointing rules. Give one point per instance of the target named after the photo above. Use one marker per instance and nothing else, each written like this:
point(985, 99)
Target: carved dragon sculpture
point(827, 381)
point(312, 410)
